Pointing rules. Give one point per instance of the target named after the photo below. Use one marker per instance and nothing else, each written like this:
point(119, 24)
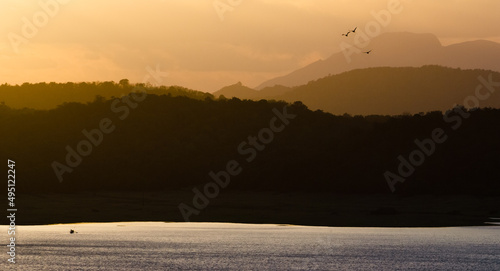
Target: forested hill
point(50, 95)
point(388, 90)
point(163, 142)
point(393, 91)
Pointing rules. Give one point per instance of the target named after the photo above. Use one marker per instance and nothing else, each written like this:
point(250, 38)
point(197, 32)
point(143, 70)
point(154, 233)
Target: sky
point(208, 44)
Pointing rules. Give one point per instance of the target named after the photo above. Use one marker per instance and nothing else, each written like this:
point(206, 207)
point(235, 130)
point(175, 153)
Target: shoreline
point(486, 224)
point(301, 209)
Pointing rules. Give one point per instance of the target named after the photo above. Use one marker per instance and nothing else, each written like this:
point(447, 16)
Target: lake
point(225, 246)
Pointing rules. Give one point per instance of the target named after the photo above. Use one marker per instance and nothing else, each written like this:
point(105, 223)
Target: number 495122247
point(11, 182)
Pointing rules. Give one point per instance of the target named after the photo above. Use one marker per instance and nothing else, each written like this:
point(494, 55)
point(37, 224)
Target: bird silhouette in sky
point(367, 52)
point(354, 31)
point(347, 34)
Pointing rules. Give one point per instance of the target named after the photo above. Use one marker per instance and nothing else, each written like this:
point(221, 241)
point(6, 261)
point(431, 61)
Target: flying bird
point(354, 31)
point(347, 34)
point(367, 52)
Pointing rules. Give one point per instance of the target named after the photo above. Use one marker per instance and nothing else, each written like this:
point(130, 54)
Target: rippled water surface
point(221, 246)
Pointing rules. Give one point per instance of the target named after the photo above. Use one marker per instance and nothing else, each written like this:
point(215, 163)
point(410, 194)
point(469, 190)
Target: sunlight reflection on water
point(223, 246)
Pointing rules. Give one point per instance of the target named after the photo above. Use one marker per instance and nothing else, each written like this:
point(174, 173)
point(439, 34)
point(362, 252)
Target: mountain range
point(385, 90)
point(399, 49)
point(405, 72)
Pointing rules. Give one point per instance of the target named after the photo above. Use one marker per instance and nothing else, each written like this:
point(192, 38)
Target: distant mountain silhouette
point(243, 92)
point(401, 49)
point(388, 90)
point(237, 90)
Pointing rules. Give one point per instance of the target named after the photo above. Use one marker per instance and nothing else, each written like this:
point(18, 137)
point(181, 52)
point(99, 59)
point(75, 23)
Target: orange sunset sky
point(207, 44)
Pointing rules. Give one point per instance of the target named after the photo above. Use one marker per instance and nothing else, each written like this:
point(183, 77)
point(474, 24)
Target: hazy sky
point(202, 48)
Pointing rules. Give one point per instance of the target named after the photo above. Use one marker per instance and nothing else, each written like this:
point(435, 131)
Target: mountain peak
point(418, 39)
point(237, 90)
